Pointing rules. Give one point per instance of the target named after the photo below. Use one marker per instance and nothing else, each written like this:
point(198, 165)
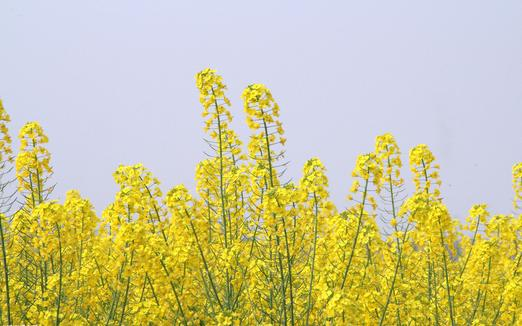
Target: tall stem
point(359, 224)
point(6, 272)
point(61, 276)
point(448, 289)
point(392, 287)
point(314, 248)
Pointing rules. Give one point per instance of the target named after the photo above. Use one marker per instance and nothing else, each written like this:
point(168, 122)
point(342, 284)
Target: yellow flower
point(248, 246)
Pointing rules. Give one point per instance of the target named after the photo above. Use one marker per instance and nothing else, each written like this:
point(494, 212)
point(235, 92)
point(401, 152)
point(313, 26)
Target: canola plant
point(249, 248)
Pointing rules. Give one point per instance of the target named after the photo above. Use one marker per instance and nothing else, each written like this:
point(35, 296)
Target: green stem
point(289, 266)
point(61, 276)
point(6, 272)
point(126, 297)
point(228, 296)
point(178, 301)
point(310, 288)
point(359, 225)
point(392, 287)
point(470, 249)
point(212, 284)
point(269, 155)
point(448, 289)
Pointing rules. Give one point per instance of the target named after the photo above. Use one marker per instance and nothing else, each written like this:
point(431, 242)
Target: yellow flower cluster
point(250, 248)
point(33, 164)
point(5, 139)
point(517, 185)
point(389, 155)
point(264, 147)
point(215, 103)
point(424, 171)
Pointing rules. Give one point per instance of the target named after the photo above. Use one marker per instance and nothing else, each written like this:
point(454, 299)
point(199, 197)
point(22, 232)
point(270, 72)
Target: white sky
point(113, 82)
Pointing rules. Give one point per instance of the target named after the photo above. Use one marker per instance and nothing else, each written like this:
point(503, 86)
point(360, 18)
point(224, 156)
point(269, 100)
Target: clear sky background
point(112, 82)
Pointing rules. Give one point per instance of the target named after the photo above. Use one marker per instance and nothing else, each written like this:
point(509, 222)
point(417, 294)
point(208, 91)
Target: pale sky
point(113, 82)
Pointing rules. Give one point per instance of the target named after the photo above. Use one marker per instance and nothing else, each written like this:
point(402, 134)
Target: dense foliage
point(249, 247)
